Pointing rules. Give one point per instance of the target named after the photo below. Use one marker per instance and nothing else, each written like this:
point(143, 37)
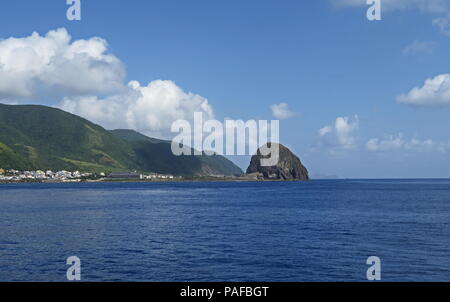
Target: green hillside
point(156, 155)
point(39, 137)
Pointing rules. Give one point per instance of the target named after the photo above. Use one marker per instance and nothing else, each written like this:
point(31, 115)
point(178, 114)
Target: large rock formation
point(289, 166)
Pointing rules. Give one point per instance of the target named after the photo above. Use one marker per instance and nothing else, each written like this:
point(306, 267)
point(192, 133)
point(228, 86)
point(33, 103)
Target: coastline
point(185, 180)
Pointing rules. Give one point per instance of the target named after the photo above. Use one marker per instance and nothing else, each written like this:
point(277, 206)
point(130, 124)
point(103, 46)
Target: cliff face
point(289, 167)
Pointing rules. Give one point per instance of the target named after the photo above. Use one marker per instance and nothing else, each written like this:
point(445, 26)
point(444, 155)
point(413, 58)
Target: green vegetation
point(39, 137)
point(156, 155)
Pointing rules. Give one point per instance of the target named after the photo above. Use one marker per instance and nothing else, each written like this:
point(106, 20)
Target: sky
point(355, 98)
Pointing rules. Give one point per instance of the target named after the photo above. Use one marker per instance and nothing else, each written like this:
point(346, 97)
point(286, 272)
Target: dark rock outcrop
point(289, 167)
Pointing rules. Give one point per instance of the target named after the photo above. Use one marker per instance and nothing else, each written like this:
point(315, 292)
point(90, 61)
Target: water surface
point(313, 231)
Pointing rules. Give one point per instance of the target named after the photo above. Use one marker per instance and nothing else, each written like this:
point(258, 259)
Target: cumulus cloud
point(398, 143)
point(36, 66)
point(339, 136)
point(282, 111)
point(419, 47)
point(435, 92)
point(149, 109)
point(91, 83)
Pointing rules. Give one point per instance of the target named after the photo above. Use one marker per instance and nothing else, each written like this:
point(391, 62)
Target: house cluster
point(135, 175)
point(156, 176)
point(66, 176)
point(15, 175)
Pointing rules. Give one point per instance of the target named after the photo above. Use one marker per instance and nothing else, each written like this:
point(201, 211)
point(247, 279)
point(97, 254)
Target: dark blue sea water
point(313, 231)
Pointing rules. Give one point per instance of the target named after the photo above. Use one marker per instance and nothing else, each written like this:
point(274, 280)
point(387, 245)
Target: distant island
point(45, 144)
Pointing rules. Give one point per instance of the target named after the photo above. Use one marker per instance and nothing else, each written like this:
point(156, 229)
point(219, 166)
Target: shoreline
point(187, 180)
point(192, 180)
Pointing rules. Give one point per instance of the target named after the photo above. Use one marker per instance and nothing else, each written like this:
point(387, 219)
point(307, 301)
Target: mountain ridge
point(39, 137)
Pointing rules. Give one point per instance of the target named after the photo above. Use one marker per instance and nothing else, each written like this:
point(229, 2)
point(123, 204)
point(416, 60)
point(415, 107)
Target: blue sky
point(325, 61)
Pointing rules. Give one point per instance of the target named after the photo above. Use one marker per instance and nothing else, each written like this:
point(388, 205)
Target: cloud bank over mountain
point(150, 109)
point(90, 82)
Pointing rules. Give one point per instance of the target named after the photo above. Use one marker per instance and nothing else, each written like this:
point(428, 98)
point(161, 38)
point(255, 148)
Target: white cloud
point(91, 83)
point(419, 47)
point(282, 111)
point(422, 145)
point(435, 92)
point(388, 144)
point(9, 102)
point(339, 136)
point(443, 24)
point(434, 7)
point(429, 6)
point(149, 109)
point(37, 66)
point(398, 143)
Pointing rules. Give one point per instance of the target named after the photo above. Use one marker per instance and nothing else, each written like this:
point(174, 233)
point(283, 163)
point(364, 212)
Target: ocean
point(322, 230)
